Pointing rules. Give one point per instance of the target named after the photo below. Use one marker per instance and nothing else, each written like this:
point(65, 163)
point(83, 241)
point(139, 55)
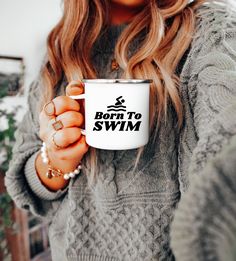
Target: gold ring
point(53, 140)
point(49, 110)
point(57, 125)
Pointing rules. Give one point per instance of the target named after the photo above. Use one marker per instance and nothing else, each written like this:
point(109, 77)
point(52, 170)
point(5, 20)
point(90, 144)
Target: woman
point(121, 204)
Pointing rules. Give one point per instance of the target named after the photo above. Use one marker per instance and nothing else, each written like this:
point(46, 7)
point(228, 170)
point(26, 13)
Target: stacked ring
point(57, 125)
point(53, 140)
point(49, 110)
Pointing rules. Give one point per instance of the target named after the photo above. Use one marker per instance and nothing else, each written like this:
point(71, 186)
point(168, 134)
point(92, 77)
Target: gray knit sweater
point(127, 216)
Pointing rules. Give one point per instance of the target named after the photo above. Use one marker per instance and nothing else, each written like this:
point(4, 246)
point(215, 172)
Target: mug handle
point(79, 97)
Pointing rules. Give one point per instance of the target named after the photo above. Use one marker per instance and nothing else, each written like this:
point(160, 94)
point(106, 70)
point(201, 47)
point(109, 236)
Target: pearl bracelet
point(56, 172)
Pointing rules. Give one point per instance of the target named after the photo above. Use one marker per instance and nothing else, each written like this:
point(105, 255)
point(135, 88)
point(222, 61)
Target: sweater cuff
point(35, 183)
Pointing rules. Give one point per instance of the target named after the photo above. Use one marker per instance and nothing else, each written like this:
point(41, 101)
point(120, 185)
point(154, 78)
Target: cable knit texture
point(127, 216)
point(204, 226)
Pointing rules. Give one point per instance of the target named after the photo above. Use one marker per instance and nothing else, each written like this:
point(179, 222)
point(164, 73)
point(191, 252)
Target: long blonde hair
point(169, 25)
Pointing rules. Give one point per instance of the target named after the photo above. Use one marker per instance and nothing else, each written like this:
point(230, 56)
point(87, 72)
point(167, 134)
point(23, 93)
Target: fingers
point(60, 104)
point(78, 149)
point(75, 88)
point(71, 119)
point(64, 108)
point(64, 137)
point(65, 103)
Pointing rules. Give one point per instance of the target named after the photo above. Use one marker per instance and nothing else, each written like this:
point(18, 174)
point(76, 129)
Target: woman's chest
point(156, 169)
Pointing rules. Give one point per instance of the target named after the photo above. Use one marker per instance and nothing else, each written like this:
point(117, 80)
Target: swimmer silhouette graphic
point(118, 105)
point(118, 101)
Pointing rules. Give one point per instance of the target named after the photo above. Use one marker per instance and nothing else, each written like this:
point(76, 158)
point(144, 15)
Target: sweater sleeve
point(206, 212)
point(211, 91)
point(204, 226)
point(21, 179)
point(214, 107)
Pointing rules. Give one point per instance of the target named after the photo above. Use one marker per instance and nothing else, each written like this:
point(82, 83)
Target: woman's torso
point(124, 216)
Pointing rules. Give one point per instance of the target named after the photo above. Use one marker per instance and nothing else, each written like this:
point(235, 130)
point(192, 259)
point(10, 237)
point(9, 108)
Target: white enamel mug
point(116, 113)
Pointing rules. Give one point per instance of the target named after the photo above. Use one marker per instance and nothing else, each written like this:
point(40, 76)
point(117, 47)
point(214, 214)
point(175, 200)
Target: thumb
point(74, 88)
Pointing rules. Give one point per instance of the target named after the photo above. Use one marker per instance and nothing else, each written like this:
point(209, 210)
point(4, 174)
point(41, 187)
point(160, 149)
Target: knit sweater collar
point(107, 40)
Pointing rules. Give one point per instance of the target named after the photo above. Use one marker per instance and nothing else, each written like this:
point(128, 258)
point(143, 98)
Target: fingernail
point(77, 84)
point(77, 87)
point(76, 90)
point(49, 108)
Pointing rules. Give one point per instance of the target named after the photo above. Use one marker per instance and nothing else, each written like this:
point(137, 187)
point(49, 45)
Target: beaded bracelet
point(56, 172)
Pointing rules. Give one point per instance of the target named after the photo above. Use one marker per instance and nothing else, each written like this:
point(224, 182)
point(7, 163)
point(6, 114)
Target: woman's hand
point(69, 145)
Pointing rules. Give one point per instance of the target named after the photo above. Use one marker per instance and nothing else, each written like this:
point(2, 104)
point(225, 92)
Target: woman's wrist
point(55, 172)
point(65, 166)
point(43, 167)
point(51, 184)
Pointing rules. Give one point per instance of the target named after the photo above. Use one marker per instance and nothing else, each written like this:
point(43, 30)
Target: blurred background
point(24, 26)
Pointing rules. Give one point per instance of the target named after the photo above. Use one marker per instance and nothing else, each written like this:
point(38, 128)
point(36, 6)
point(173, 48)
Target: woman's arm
point(214, 108)
point(21, 180)
point(209, 95)
point(207, 208)
point(204, 226)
